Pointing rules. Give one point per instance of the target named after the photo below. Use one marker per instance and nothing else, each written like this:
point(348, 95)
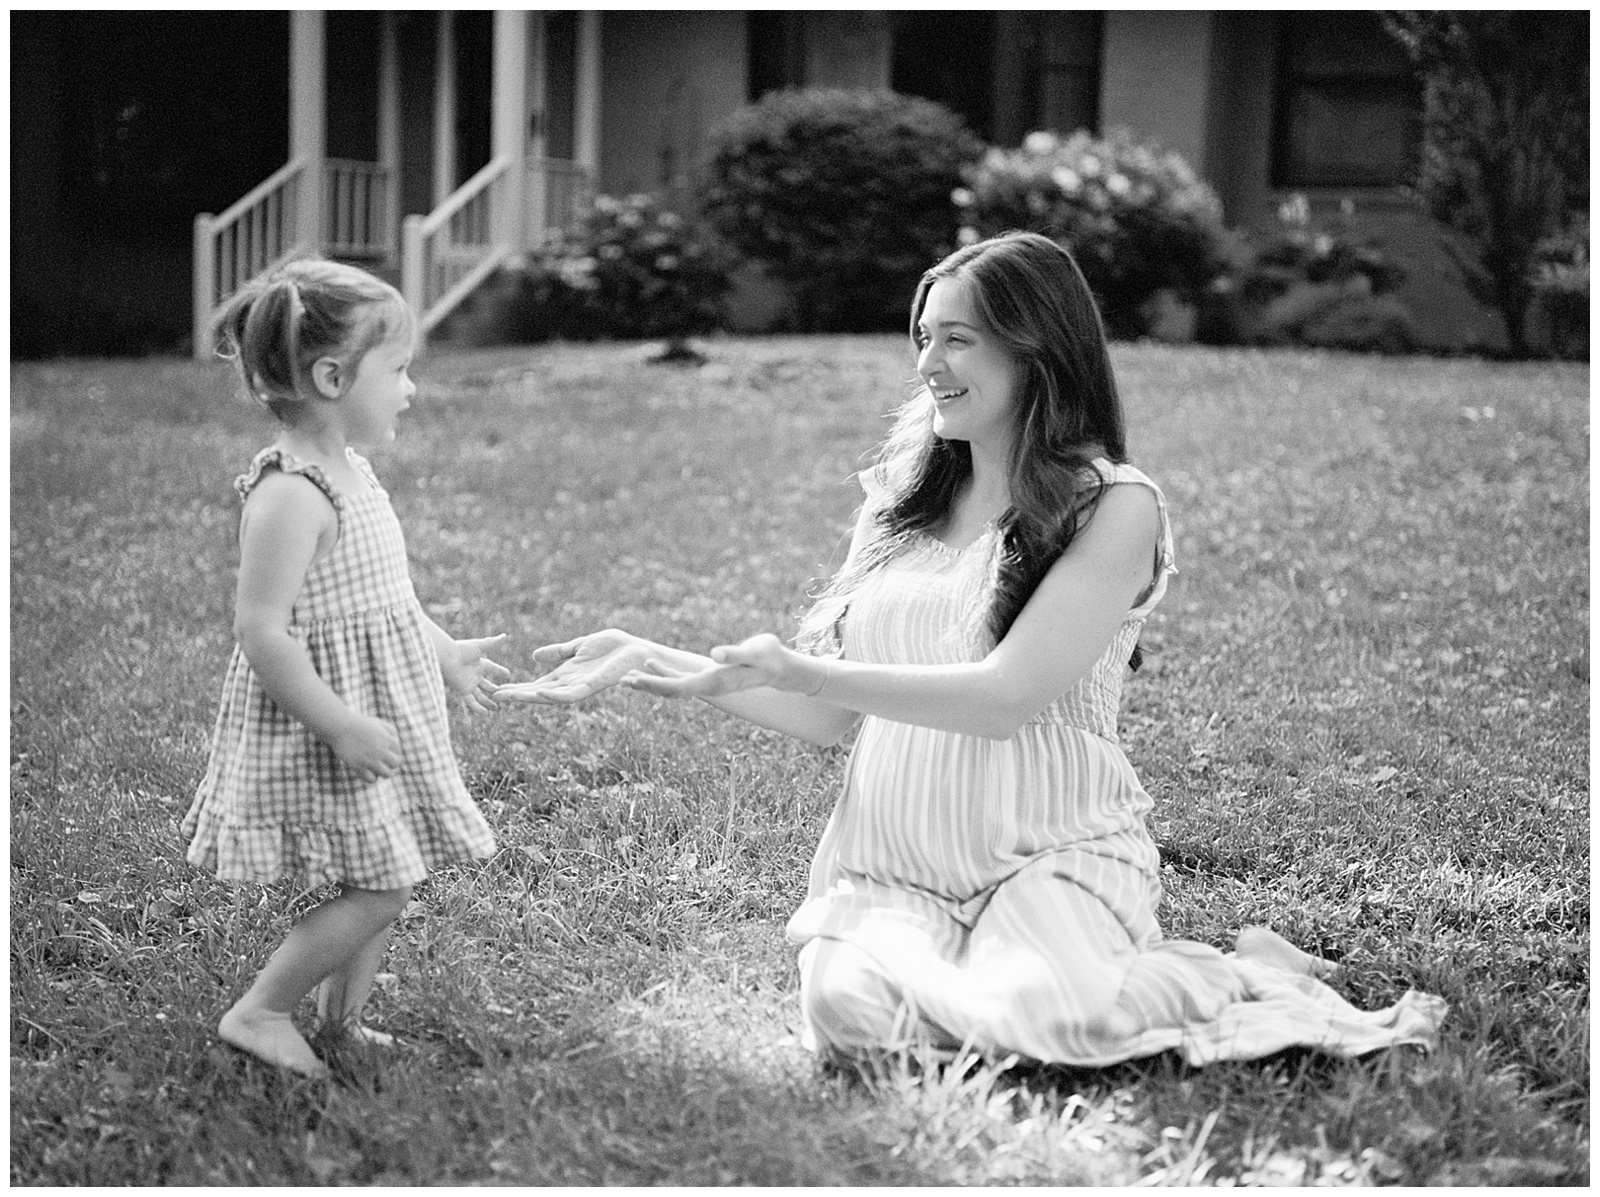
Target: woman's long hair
point(1031, 296)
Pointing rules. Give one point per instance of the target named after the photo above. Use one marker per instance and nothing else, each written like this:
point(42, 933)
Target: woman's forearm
point(975, 699)
point(797, 715)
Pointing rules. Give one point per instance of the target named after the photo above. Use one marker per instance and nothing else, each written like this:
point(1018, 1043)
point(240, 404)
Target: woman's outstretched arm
point(589, 664)
point(1064, 628)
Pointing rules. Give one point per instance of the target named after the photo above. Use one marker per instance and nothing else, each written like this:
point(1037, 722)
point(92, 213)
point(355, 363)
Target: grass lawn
point(1364, 718)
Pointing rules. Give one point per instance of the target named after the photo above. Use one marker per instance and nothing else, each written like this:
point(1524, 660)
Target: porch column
point(509, 119)
point(444, 109)
point(389, 132)
point(308, 122)
point(586, 116)
point(536, 203)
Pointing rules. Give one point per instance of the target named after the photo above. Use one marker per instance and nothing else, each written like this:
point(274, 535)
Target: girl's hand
point(583, 667)
point(369, 747)
point(470, 673)
point(759, 661)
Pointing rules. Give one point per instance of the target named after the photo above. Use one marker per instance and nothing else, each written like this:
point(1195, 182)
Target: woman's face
point(973, 379)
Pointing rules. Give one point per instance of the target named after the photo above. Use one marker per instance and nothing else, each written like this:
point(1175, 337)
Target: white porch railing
point(456, 246)
point(444, 255)
point(360, 210)
point(248, 239)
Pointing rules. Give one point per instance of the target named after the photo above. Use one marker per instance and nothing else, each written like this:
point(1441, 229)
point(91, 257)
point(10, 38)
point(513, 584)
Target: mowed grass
point(1364, 719)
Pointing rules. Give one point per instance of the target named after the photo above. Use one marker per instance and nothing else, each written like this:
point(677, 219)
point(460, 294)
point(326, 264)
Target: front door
point(555, 179)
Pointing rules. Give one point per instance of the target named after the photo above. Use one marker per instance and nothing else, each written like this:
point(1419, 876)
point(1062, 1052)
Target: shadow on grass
point(440, 1110)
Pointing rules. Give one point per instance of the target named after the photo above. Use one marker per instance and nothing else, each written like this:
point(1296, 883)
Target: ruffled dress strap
point(873, 485)
point(1121, 473)
point(274, 458)
point(364, 467)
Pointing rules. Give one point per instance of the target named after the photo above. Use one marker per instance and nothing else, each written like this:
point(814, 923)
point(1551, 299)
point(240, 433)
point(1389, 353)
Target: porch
point(351, 209)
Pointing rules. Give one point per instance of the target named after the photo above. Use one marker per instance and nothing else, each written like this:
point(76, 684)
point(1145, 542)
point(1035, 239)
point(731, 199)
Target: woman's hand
point(582, 667)
point(759, 661)
point(469, 672)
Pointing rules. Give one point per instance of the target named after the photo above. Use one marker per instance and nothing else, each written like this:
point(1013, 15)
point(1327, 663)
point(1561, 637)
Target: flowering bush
point(628, 268)
point(633, 268)
point(842, 195)
point(1306, 250)
point(1313, 282)
point(1139, 221)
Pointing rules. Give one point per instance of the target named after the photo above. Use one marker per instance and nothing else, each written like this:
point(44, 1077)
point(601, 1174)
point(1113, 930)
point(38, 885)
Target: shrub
point(633, 268)
point(1303, 249)
point(1138, 220)
point(1505, 139)
point(1336, 316)
point(843, 196)
point(629, 268)
point(1311, 283)
point(1561, 290)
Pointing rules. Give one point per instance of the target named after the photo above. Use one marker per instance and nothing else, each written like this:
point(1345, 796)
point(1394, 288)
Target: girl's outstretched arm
point(287, 522)
point(1064, 628)
point(466, 666)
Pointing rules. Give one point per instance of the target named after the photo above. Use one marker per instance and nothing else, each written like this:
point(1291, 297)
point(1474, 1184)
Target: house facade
point(431, 145)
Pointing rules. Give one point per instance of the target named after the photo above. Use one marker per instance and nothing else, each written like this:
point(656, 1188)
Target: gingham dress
point(1004, 893)
point(275, 801)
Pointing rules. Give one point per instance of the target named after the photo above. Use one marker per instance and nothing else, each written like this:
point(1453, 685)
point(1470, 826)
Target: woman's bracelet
point(827, 676)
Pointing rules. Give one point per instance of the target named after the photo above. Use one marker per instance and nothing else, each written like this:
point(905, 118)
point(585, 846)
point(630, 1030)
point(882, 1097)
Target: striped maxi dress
point(1003, 894)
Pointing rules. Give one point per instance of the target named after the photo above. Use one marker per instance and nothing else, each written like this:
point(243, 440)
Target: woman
point(987, 877)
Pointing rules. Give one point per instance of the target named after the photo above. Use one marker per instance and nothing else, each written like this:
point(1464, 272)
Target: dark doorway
point(123, 126)
point(948, 57)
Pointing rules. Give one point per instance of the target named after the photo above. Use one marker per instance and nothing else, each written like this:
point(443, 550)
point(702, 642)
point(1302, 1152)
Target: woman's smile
point(968, 373)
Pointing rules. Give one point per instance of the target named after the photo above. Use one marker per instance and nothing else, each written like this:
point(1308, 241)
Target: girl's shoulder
point(274, 459)
point(275, 462)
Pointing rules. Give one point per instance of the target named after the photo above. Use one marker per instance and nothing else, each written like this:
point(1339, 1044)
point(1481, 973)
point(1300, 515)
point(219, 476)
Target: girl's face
point(972, 377)
point(379, 392)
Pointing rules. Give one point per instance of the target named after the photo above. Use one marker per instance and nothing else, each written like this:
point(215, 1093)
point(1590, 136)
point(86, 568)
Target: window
point(947, 57)
point(777, 51)
point(1348, 110)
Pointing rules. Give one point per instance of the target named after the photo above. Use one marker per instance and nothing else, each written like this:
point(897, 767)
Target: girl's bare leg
point(343, 993)
point(324, 941)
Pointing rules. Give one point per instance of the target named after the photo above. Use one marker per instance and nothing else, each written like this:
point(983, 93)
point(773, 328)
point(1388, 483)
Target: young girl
point(331, 758)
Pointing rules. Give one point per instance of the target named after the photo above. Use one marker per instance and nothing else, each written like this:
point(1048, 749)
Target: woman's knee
point(847, 999)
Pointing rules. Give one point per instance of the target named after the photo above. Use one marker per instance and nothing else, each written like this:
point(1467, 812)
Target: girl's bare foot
point(362, 1032)
point(1268, 947)
point(270, 1037)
